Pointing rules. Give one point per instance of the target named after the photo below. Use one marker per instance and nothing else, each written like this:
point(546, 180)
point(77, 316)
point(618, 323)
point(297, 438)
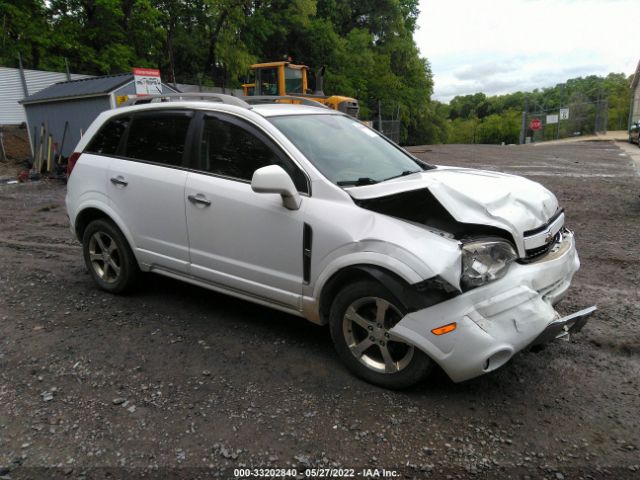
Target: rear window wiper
point(357, 183)
point(403, 174)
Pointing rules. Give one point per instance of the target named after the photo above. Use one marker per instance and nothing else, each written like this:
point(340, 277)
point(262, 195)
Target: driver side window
point(232, 150)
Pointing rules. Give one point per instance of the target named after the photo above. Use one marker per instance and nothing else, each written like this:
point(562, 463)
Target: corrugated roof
point(80, 88)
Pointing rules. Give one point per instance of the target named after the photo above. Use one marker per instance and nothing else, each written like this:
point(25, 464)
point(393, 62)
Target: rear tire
point(360, 319)
point(108, 257)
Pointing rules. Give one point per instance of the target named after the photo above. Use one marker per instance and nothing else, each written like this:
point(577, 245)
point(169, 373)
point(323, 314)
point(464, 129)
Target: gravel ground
point(180, 382)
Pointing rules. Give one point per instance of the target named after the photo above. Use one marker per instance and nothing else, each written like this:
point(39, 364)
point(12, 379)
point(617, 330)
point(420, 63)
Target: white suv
point(309, 211)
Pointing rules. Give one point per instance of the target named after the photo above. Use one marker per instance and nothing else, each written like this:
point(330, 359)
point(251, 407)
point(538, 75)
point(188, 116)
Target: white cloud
point(484, 70)
point(500, 46)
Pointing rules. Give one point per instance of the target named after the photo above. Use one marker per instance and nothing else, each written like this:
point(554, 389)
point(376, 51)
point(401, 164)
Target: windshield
point(346, 151)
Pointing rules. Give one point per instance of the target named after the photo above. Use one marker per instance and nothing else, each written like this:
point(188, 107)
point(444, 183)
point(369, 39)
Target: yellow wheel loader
point(285, 79)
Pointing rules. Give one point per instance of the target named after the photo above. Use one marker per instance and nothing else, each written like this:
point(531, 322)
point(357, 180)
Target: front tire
point(360, 319)
point(108, 257)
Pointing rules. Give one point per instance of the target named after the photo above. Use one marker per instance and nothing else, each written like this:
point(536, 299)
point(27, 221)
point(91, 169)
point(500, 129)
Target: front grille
point(542, 228)
point(534, 253)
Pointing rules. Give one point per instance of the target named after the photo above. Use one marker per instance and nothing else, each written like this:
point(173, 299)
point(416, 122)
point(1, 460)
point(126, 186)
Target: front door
point(240, 239)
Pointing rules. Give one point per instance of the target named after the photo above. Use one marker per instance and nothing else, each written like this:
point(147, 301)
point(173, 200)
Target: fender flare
point(111, 214)
point(413, 296)
point(407, 294)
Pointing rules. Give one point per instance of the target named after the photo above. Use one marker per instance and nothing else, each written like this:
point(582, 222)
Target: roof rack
point(260, 99)
point(176, 97)
point(244, 102)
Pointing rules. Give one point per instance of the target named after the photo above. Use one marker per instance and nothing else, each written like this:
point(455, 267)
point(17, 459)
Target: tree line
point(592, 101)
point(367, 45)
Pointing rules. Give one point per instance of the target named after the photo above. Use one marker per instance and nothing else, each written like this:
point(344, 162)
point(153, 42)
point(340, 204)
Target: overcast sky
point(501, 46)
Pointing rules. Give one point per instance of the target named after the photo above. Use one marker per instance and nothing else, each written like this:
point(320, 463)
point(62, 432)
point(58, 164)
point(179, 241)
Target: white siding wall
point(11, 112)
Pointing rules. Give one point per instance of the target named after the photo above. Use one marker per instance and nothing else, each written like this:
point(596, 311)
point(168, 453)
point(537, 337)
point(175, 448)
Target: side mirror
point(273, 179)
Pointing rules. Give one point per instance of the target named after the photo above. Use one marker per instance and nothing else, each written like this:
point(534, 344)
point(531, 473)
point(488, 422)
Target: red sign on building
point(147, 81)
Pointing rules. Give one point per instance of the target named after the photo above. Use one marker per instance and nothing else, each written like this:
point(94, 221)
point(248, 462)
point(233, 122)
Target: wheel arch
point(90, 212)
point(413, 296)
point(85, 217)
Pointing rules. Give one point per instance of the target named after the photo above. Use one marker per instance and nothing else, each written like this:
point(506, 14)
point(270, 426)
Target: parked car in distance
point(634, 133)
point(309, 211)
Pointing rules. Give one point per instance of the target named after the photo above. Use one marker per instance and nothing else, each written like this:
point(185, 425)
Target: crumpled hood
point(509, 202)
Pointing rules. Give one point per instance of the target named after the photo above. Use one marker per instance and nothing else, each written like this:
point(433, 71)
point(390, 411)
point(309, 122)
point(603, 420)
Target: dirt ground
point(15, 140)
point(180, 382)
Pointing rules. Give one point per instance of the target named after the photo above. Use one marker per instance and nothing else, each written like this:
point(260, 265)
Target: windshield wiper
point(357, 183)
point(403, 174)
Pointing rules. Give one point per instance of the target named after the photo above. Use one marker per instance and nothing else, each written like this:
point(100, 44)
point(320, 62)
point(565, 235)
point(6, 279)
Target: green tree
point(499, 116)
point(367, 46)
point(91, 34)
point(25, 31)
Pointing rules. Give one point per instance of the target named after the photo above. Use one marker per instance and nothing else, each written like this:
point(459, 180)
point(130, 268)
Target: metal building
point(75, 103)
point(16, 84)
point(634, 114)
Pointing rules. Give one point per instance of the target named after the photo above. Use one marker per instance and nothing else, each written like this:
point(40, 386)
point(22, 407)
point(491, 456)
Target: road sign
point(552, 119)
point(535, 124)
point(564, 114)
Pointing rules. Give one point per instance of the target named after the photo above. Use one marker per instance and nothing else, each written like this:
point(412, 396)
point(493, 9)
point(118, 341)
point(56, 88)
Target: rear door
point(146, 186)
point(238, 238)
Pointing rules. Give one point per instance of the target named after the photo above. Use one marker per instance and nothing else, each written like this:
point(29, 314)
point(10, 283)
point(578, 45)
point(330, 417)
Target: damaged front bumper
point(495, 321)
point(563, 327)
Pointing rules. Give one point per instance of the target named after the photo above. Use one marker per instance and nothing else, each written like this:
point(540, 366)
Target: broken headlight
point(485, 261)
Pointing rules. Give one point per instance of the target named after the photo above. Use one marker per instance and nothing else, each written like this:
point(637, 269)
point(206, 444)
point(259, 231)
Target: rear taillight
point(73, 159)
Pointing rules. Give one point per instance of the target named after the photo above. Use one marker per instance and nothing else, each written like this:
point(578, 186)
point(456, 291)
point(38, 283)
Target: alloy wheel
point(366, 324)
point(105, 257)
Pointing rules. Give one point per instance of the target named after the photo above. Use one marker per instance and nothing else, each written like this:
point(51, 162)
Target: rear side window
point(232, 151)
point(107, 139)
point(158, 138)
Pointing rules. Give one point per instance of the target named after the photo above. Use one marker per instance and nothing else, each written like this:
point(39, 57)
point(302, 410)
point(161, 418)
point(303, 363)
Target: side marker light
point(445, 329)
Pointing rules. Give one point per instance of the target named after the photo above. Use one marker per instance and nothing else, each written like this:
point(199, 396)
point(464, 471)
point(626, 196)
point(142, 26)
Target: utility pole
point(523, 125)
point(22, 77)
point(596, 127)
point(559, 108)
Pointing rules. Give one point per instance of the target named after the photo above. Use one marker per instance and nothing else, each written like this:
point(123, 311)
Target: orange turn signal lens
point(445, 329)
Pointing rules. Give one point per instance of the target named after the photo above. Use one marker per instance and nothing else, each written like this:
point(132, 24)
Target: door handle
point(119, 181)
point(200, 199)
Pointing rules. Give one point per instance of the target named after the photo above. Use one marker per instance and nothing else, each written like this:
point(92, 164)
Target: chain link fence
point(388, 122)
point(391, 129)
point(573, 120)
